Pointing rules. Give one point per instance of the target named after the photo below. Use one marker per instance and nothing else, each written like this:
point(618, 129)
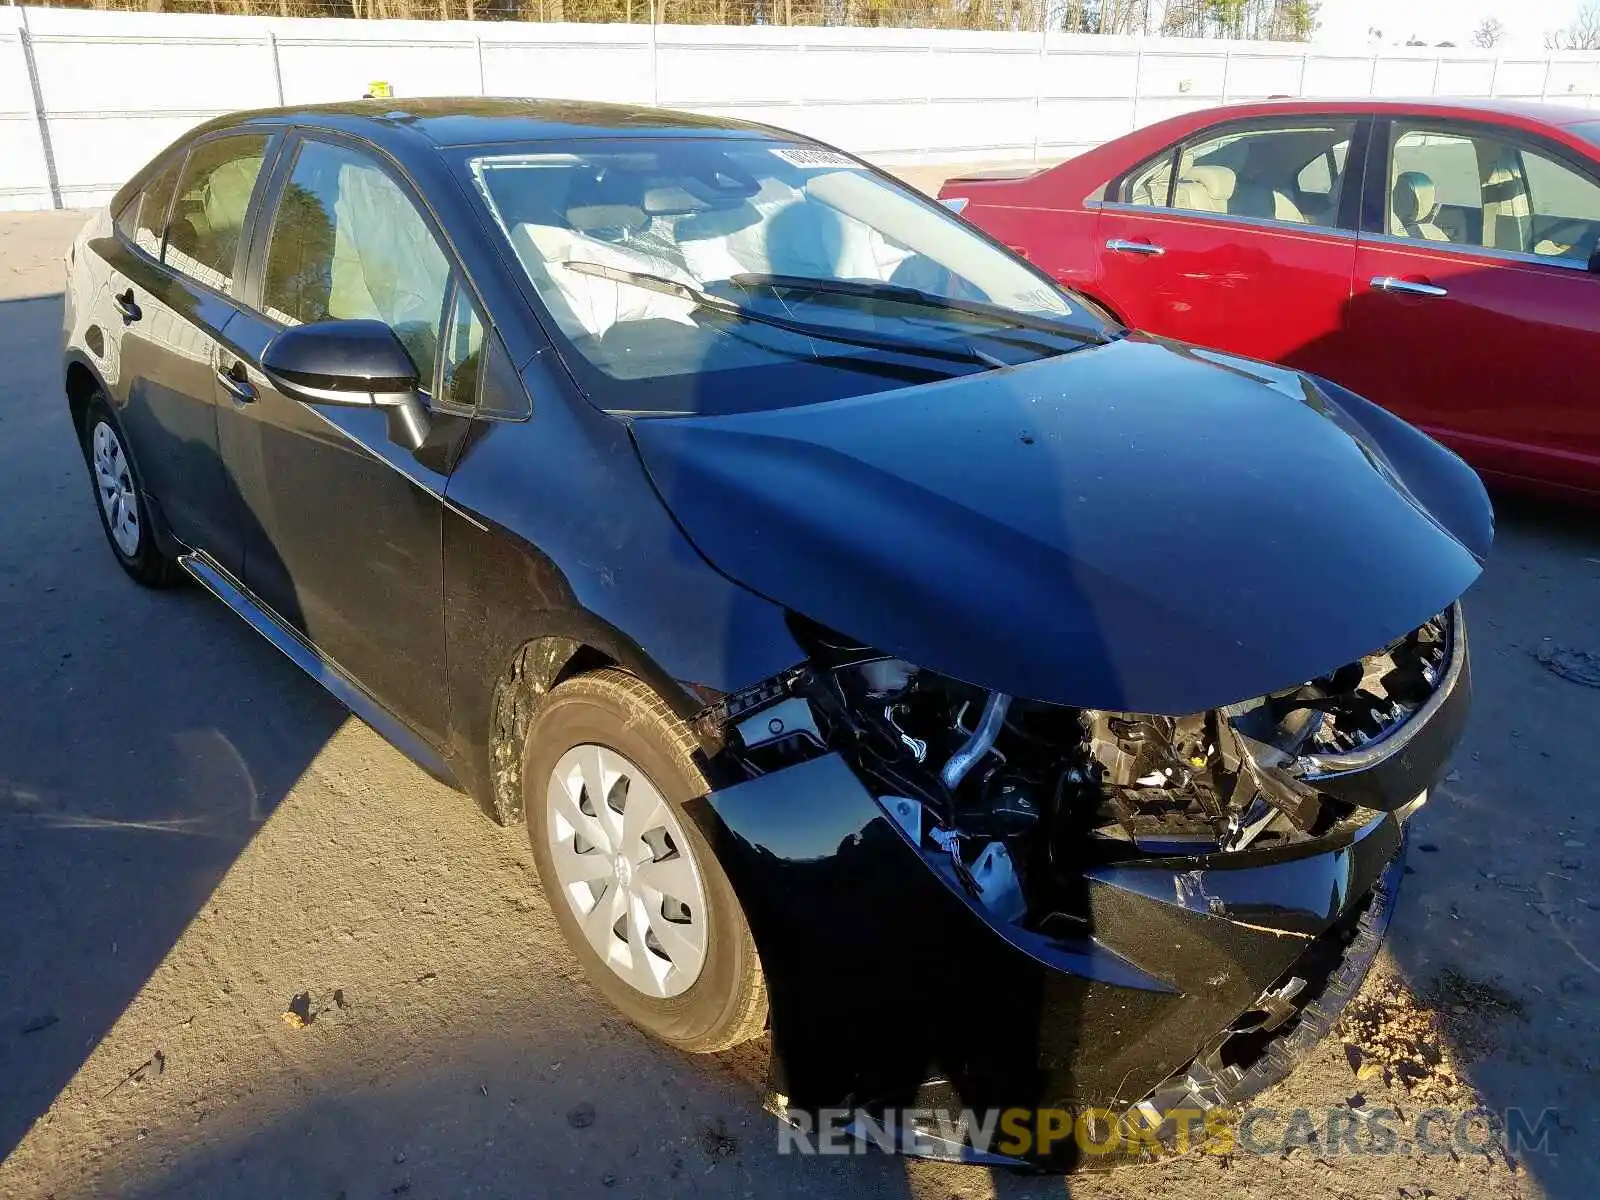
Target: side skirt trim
point(216, 580)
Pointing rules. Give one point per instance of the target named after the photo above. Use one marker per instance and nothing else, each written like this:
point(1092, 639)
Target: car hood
point(1141, 526)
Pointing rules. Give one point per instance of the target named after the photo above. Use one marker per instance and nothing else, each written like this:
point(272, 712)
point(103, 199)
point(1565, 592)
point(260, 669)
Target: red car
point(1439, 257)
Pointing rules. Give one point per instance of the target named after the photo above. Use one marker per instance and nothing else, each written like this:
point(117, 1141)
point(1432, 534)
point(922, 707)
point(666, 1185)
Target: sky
point(1434, 21)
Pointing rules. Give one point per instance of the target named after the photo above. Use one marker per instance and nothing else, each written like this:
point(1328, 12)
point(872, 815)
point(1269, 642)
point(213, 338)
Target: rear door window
point(207, 221)
point(1292, 173)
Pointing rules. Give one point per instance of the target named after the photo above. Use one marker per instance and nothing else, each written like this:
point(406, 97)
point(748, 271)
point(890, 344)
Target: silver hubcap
point(114, 480)
point(624, 866)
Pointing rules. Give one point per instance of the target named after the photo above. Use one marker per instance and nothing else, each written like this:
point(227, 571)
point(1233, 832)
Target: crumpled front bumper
point(1185, 982)
point(891, 987)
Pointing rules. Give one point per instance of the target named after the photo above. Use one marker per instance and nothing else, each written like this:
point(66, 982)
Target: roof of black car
point(477, 120)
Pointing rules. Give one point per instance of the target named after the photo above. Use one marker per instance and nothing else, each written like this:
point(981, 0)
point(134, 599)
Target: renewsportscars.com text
point(1043, 1132)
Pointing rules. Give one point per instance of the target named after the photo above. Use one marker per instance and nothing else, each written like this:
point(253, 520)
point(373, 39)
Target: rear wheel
point(119, 499)
point(633, 883)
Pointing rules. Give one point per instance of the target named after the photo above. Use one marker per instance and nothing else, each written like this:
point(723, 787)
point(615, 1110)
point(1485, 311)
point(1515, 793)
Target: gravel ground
point(195, 840)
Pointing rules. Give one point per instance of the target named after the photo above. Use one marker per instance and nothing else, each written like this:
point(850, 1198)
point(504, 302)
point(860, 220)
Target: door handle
point(127, 306)
point(242, 390)
point(1123, 246)
point(1389, 283)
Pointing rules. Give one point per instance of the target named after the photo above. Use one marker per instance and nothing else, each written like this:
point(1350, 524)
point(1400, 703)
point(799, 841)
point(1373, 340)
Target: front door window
point(1486, 192)
point(349, 244)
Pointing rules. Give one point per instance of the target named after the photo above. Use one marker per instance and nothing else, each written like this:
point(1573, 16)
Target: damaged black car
point(881, 646)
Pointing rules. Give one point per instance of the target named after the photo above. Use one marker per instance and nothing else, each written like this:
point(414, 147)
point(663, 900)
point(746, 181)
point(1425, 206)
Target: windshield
point(718, 275)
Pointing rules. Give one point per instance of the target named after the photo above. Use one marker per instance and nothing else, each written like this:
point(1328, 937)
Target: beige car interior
point(1507, 210)
point(1216, 188)
point(1260, 174)
point(210, 219)
point(827, 228)
point(1487, 179)
point(1413, 205)
point(384, 264)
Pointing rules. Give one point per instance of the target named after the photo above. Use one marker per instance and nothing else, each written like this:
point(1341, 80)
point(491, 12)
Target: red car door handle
point(1122, 246)
point(1411, 287)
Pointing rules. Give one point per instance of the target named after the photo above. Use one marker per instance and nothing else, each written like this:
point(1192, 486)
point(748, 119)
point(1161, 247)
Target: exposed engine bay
point(1023, 796)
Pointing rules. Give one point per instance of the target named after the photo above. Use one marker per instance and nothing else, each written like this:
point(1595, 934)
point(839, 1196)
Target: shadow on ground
point(1502, 888)
point(145, 739)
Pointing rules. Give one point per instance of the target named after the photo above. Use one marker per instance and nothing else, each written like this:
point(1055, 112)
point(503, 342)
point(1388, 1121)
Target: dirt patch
point(1421, 1042)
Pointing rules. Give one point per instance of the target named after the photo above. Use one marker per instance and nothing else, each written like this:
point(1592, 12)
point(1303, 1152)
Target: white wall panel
point(1572, 81)
point(1326, 75)
point(110, 75)
point(1083, 122)
point(576, 71)
point(23, 181)
point(1522, 78)
point(1098, 75)
point(975, 74)
point(1404, 77)
point(1458, 77)
point(1183, 75)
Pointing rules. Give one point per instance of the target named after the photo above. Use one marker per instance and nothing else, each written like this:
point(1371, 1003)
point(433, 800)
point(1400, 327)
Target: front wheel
point(120, 501)
point(633, 883)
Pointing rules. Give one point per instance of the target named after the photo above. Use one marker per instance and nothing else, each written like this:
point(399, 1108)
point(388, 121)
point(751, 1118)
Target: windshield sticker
point(814, 156)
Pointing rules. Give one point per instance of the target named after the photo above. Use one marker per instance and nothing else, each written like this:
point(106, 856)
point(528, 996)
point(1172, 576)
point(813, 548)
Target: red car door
point(1475, 314)
point(1240, 238)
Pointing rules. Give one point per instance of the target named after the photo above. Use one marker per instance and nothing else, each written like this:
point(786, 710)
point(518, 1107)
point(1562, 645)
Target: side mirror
point(350, 364)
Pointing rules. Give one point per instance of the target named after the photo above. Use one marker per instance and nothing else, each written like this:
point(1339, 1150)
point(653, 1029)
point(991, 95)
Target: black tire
point(145, 562)
point(727, 1002)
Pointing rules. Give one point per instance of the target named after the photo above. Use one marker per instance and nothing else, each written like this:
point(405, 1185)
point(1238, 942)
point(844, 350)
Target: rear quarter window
point(128, 216)
point(143, 220)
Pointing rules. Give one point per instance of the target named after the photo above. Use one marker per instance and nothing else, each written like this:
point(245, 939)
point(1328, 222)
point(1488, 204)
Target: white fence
point(87, 97)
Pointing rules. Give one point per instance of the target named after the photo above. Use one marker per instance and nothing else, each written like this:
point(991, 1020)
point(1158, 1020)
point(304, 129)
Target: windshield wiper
point(828, 333)
point(898, 293)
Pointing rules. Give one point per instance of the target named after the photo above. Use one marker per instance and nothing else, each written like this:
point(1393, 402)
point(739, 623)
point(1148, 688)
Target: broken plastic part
point(998, 886)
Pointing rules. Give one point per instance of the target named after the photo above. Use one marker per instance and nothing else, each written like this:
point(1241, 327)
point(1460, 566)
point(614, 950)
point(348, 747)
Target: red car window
point(1489, 191)
point(1254, 172)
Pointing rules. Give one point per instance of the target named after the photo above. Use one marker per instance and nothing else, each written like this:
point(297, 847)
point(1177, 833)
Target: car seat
point(1506, 211)
point(1268, 203)
point(1205, 189)
point(1413, 208)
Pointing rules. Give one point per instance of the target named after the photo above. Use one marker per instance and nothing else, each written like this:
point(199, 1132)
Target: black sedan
point(880, 645)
